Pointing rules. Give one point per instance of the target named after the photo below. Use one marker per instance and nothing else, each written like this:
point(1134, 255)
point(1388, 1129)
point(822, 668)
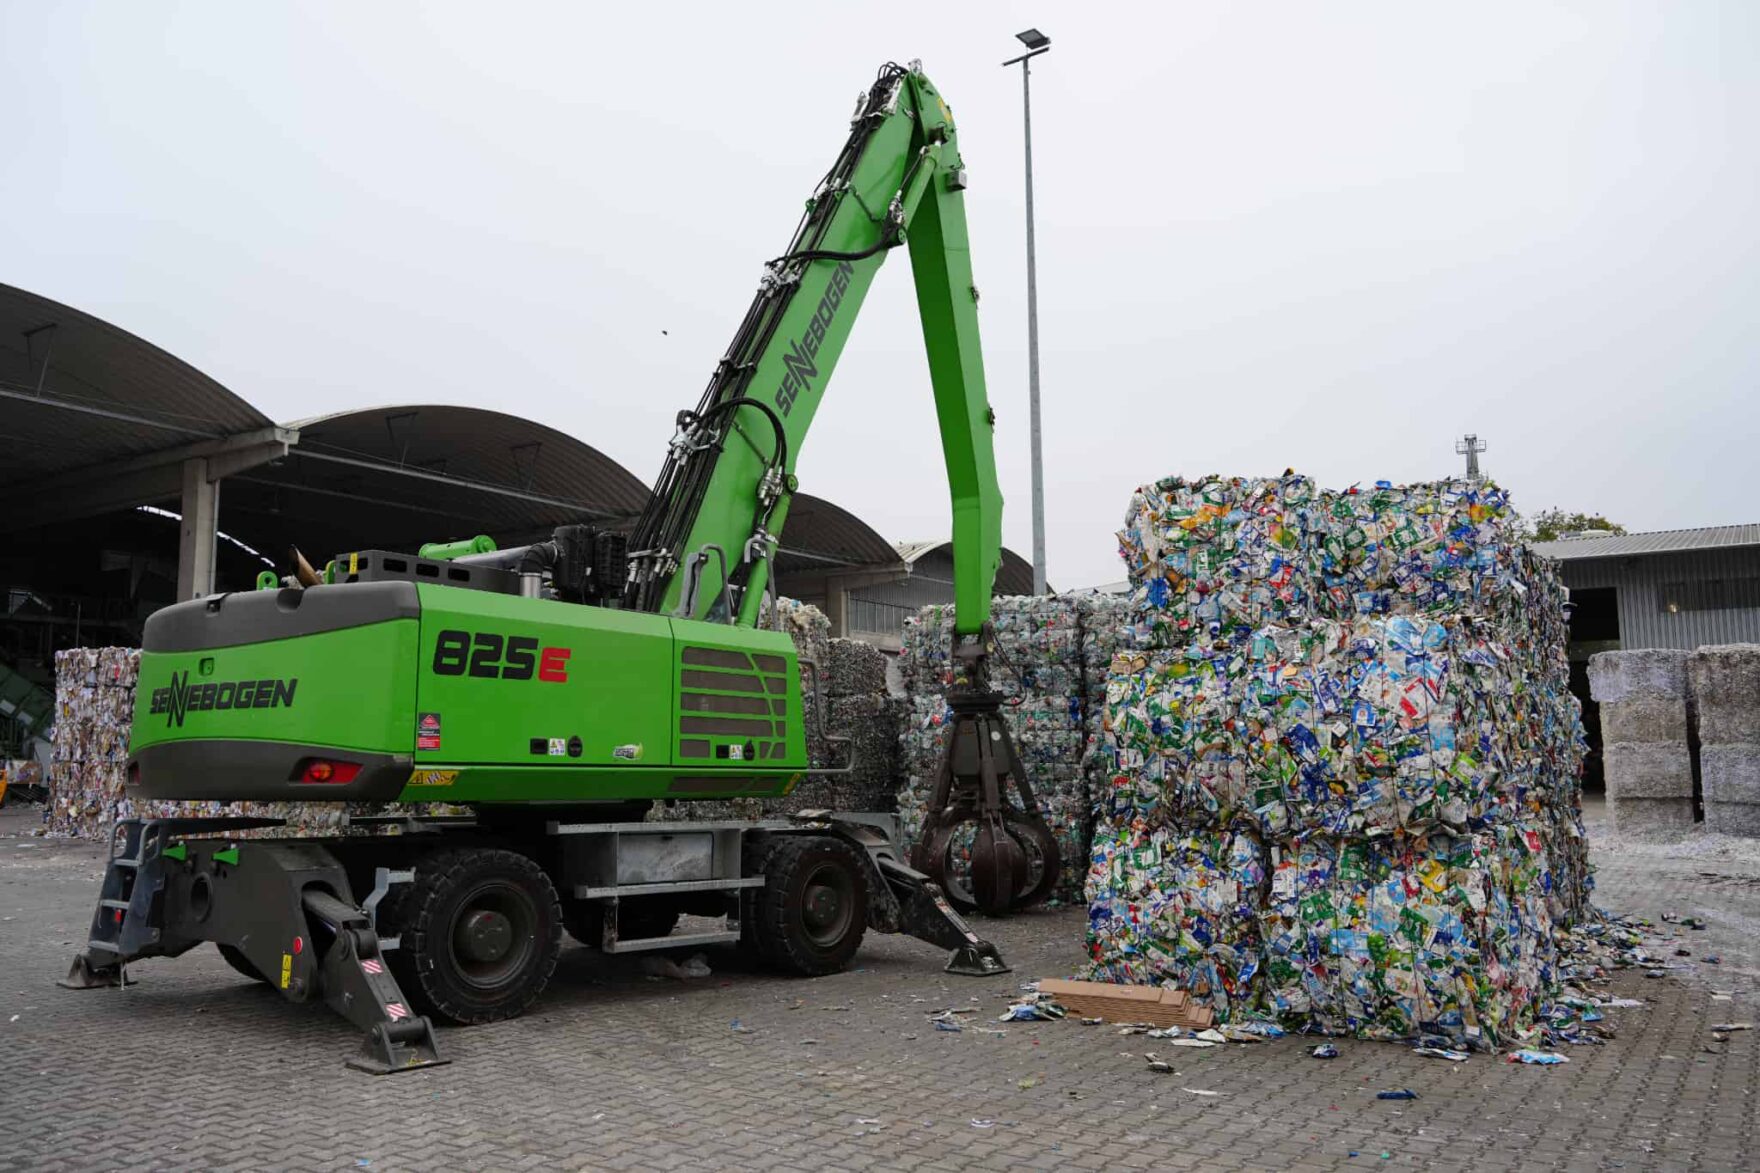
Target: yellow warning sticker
point(433, 777)
point(354, 562)
point(286, 969)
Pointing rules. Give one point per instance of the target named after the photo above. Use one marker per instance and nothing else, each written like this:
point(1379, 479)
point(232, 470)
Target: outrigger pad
point(83, 975)
point(398, 1046)
point(978, 959)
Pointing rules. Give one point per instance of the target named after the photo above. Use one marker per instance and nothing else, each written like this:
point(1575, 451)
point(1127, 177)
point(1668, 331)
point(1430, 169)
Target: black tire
point(237, 960)
point(812, 912)
point(637, 917)
point(481, 930)
point(751, 900)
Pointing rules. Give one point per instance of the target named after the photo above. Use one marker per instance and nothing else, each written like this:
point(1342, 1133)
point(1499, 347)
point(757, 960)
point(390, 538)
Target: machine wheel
point(812, 912)
point(237, 960)
point(637, 917)
point(751, 900)
point(481, 930)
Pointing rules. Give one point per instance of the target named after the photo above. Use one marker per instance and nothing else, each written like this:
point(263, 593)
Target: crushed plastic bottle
point(1538, 1058)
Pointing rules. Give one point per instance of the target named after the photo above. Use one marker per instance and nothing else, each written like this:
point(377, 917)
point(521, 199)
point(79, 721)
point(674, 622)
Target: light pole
point(1036, 43)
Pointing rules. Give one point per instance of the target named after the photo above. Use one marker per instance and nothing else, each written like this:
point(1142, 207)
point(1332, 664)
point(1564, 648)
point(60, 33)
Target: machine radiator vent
point(733, 706)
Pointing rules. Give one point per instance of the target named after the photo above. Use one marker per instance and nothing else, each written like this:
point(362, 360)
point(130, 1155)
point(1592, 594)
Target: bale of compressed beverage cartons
point(1646, 750)
point(1341, 759)
point(1726, 688)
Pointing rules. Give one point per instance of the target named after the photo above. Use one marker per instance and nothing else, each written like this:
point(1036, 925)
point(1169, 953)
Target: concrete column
point(1649, 766)
point(199, 532)
point(837, 607)
point(1726, 685)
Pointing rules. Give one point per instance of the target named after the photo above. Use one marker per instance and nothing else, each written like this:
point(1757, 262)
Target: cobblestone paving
point(195, 1068)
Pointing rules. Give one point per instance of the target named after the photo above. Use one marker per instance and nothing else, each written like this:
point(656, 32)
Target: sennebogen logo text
point(181, 697)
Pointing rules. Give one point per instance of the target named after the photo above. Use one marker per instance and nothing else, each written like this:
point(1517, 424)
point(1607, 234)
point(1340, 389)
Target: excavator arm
point(704, 547)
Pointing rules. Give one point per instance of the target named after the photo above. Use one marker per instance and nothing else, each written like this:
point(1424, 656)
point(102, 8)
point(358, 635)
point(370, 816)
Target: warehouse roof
point(1013, 577)
point(1668, 541)
point(83, 402)
point(397, 476)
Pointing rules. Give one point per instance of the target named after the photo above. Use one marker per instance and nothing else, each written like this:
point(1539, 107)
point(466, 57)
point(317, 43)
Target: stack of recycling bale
point(94, 708)
point(861, 727)
point(1049, 661)
point(1726, 689)
point(1646, 746)
point(1343, 759)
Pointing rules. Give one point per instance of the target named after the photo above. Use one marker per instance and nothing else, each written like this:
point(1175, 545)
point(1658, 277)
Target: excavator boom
point(704, 547)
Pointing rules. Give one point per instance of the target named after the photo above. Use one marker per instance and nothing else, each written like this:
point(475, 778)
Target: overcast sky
point(1329, 236)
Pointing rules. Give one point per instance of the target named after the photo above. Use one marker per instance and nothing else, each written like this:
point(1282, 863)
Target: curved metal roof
point(77, 392)
point(401, 475)
point(1013, 577)
point(819, 534)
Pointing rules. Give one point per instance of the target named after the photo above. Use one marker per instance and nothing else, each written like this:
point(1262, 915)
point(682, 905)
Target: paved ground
point(195, 1068)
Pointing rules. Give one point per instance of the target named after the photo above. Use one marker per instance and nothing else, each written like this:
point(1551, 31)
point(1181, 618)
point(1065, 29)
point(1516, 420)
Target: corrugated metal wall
point(880, 610)
point(1644, 622)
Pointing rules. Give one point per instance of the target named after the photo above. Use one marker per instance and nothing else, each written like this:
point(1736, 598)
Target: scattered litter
point(1539, 1058)
point(1093, 1021)
point(739, 1028)
point(1030, 1081)
point(1712, 959)
point(1623, 1003)
point(1196, 1044)
point(1324, 1051)
point(1158, 1064)
point(1404, 1093)
point(1198, 1091)
point(979, 1122)
point(1728, 1026)
point(665, 967)
point(14, 1018)
point(809, 1042)
point(1441, 1053)
point(1042, 1010)
point(866, 1120)
point(947, 1024)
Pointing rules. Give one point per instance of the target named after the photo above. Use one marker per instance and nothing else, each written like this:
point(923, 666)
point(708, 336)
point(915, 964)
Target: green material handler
point(557, 689)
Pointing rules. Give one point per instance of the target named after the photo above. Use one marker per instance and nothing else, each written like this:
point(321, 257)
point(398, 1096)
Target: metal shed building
point(1671, 589)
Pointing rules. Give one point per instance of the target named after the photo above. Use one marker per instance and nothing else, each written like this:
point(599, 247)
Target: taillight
point(323, 770)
